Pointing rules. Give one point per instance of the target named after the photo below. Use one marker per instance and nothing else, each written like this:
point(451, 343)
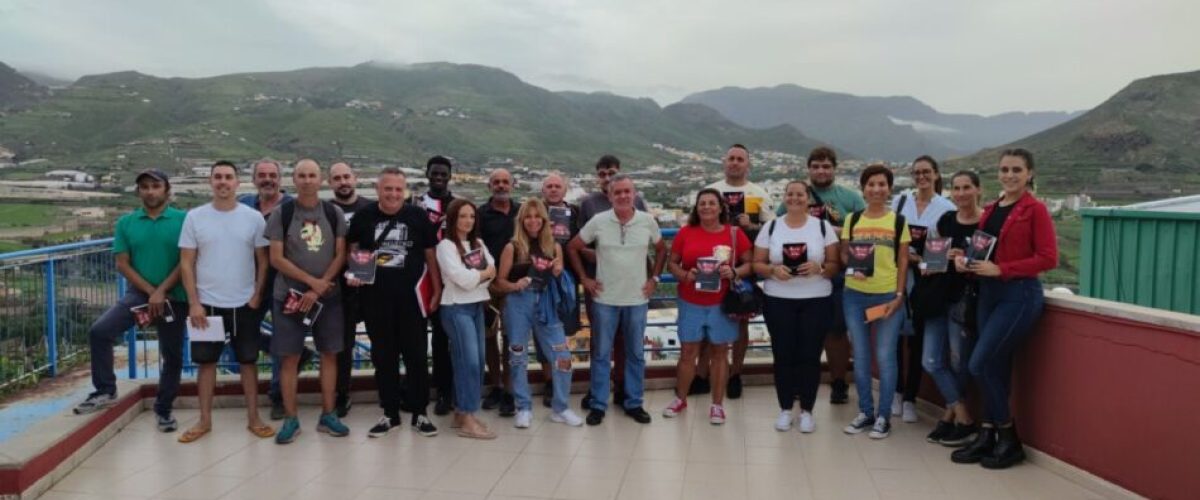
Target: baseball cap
point(155, 174)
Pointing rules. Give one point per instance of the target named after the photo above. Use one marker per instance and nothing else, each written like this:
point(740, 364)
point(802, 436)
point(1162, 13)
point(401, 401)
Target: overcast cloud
point(958, 56)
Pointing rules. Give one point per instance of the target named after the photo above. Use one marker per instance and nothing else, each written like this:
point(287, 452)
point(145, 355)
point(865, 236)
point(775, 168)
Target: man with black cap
point(146, 246)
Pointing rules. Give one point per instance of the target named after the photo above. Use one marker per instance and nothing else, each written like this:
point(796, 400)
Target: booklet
point(875, 312)
point(291, 305)
point(794, 255)
point(708, 274)
point(141, 314)
point(361, 266)
point(541, 270)
point(981, 246)
point(475, 259)
point(936, 258)
point(862, 259)
point(214, 333)
point(918, 234)
point(560, 223)
point(736, 201)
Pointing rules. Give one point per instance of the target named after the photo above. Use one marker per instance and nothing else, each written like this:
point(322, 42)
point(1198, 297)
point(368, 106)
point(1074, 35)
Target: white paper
point(214, 333)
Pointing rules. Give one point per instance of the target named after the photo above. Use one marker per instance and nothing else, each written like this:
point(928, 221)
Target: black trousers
point(443, 372)
point(397, 329)
point(797, 328)
point(351, 315)
point(910, 366)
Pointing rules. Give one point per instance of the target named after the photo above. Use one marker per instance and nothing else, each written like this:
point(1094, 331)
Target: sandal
point(476, 434)
point(192, 434)
point(261, 430)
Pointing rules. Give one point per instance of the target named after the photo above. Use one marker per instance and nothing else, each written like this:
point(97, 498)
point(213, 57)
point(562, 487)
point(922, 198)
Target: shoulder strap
point(386, 229)
point(896, 233)
point(286, 211)
point(771, 229)
point(330, 215)
point(821, 222)
point(900, 206)
point(853, 222)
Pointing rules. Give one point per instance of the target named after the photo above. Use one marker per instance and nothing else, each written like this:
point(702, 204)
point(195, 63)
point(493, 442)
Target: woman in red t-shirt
point(703, 260)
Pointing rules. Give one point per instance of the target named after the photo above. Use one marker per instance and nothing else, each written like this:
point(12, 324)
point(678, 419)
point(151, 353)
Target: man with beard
point(146, 246)
point(497, 223)
point(435, 201)
point(343, 182)
point(266, 174)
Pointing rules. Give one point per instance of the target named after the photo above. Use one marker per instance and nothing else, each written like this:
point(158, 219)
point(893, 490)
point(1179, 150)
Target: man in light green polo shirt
point(146, 246)
point(623, 237)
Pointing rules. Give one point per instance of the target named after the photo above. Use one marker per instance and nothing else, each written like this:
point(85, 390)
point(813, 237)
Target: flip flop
point(262, 430)
point(192, 435)
point(484, 435)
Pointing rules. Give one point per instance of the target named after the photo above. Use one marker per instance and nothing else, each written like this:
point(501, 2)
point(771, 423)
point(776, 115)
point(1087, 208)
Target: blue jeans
point(464, 328)
point(887, 332)
point(520, 320)
point(1007, 312)
point(113, 324)
point(632, 321)
point(949, 374)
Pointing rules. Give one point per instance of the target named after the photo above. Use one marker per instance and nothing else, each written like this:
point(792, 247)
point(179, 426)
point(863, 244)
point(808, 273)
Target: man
point(750, 207)
point(565, 221)
point(622, 237)
point(344, 183)
point(404, 240)
point(436, 201)
point(308, 249)
point(266, 175)
point(146, 246)
point(497, 223)
point(223, 262)
point(833, 203)
point(592, 204)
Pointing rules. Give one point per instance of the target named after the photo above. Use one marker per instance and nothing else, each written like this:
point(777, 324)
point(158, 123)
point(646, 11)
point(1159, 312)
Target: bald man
point(344, 183)
point(308, 249)
point(564, 218)
point(497, 220)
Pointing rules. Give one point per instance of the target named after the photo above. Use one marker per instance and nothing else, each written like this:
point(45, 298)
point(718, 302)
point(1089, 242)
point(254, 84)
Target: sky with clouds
point(958, 56)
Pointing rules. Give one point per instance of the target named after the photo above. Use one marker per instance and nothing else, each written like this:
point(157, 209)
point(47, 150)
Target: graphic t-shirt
point(349, 209)
point(436, 208)
point(798, 287)
point(882, 233)
point(692, 243)
point(225, 242)
point(401, 259)
point(311, 244)
point(754, 200)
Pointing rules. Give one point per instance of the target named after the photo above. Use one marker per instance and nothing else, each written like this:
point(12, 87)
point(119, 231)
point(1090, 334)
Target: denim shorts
point(699, 323)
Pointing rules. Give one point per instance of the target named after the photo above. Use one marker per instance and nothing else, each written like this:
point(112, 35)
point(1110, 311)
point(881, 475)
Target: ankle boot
point(981, 447)
point(1008, 450)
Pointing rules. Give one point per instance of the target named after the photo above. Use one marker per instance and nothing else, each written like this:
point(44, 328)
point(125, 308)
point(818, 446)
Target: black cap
point(155, 174)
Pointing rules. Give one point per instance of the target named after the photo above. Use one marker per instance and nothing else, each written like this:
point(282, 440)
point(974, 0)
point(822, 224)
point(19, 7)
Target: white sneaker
point(784, 422)
point(860, 423)
point(567, 417)
point(910, 412)
point(807, 424)
point(881, 429)
point(896, 404)
point(523, 419)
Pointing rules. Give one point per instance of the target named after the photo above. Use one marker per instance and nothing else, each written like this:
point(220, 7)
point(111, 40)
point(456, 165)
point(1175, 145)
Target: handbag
point(744, 299)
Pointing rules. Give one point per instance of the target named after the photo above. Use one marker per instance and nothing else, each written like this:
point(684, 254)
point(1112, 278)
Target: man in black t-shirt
point(406, 290)
point(343, 182)
point(435, 202)
point(497, 220)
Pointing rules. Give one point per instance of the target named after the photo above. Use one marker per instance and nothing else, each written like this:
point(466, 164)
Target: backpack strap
point(288, 210)
point(853, 222)
point(896, 233)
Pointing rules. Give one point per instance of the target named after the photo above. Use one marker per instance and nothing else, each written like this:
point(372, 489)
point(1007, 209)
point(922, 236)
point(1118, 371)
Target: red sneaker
point(675, 408)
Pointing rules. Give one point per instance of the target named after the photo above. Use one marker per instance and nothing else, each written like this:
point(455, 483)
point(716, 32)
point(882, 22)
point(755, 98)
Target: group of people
point(512, 269)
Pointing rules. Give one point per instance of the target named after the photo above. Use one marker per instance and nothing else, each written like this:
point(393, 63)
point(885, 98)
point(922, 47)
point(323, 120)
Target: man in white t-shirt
point(223, 260)
point(751, 208)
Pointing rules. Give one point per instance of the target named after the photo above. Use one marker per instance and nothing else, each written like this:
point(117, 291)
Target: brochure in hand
point(541, 270)
point(291, 305)
point(936, 258)
point(361, 266)
point(862, 259)
point(981, 246)
point(560, 223)
point(475, 259)
point(141, 314)
point(918, 234)
point(794, 255)
point(708, 274)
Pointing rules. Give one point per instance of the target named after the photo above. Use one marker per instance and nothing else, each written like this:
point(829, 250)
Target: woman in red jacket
point(1010, 302)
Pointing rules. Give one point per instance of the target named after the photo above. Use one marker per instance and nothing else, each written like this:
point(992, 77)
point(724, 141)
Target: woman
point(876, 238)
point(1010, 302)
point(921, 208)
point(527, 265)
point(948, 328)
point(466, 268)
point(797, 255)
point(707, 236)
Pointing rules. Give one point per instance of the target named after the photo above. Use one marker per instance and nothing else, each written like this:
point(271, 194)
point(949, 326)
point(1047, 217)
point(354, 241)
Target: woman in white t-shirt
point(797, 255)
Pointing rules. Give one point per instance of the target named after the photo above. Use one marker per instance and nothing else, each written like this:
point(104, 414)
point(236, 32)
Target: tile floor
point(681, 458)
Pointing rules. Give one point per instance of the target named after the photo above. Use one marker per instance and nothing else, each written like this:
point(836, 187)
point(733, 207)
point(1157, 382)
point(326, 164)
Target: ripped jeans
point(520, 320)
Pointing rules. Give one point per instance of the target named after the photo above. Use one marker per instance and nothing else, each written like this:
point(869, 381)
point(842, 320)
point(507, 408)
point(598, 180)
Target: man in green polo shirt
point(146, 246)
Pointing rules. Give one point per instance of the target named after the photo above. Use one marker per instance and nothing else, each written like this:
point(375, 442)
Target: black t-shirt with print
point(402, 250)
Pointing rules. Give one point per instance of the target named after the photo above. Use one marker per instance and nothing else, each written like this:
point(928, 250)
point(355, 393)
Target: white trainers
point(896, 404)
point(523, 419)
point(909, 412)
point(784, 422)
point(567, 417)
point(807, 424)
point(881, 429)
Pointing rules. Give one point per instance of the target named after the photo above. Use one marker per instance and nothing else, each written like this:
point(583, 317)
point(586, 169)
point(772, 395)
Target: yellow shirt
point(881, 232)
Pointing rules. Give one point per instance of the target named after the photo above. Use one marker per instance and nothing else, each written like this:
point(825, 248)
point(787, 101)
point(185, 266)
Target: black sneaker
point(638, 414)
point(840, 393)
point(595, 417)
point(343, 406)
point(699, 385)
point(734, 389)
point(423, 426)
point(165, 423)
point(939, 431)
point(508, 405)
point(382, 427)
point(277, 411)
point(443, 405)
point(586, 403)
point(493, 398)
point(959, 436)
